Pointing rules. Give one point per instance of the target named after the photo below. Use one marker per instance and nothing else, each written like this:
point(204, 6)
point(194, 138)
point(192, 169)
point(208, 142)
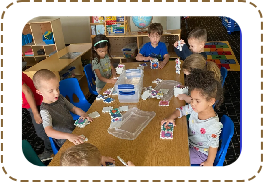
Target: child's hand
point(176, 44)
point(76, 139)
point(113, 80)
point(182, 96)
point(37, 118)
point(147, 58)
point(130, 163)
point(167, 121)
point(105, 159)
point(206, 163)
point(161, 65)
point(86, 117)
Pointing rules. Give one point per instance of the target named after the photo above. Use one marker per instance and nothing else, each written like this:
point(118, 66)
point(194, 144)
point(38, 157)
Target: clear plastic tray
point(167, 84)
point(132, 124)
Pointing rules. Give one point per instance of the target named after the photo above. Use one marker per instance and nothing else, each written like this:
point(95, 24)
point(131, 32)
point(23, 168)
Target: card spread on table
point(81, 123)
point(167, 131)
point(94, 114)
point(107, 109)
point(84, 138)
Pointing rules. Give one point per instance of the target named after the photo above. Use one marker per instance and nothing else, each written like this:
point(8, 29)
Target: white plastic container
point(129, 86)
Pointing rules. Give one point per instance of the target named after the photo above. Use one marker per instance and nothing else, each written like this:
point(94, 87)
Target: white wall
point(173, 23)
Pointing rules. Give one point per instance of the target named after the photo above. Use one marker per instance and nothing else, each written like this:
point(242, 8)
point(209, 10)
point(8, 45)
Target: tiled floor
point(231, 107)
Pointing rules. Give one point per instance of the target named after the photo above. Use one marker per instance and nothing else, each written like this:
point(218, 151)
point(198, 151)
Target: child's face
point(49, 90)
point(186, 72)
point(199, 102)
point(102, 51)
point(154, 38)
point(195, 45)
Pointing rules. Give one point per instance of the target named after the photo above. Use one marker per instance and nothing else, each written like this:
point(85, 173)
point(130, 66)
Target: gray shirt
point(57, 115)
point(105, 70)
point(202, 134)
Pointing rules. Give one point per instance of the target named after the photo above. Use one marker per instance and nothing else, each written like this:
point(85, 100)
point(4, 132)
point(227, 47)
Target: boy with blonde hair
point(85, 154)
point(196, 40)
point(154, 48)
point(55, 109)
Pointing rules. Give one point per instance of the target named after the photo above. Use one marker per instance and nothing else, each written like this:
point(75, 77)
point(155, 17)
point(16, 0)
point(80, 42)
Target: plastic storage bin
point(129, 86)
point(129, 51)
point(132, 124)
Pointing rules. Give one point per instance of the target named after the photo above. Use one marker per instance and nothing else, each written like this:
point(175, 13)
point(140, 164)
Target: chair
point(54, 146)
point(225, 138)
point(90, 75)
point(70, 86)
point(223, 71)
point(30, 154)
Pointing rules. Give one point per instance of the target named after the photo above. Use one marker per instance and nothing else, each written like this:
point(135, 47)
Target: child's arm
point(140, 57)
point(113, 71)
point(211, 157)
point(31, 101)
point(165, 60)
point(81, 113)
point(112, 80)
point(61, 135)
point(185, 97)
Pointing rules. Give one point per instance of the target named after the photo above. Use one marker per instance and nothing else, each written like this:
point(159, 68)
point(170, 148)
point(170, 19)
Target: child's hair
point(100, 41)
point(206, 84)
point(197, 61)
point(42, 75)
point(199, 34)
point(84, 154)
point(155, 28)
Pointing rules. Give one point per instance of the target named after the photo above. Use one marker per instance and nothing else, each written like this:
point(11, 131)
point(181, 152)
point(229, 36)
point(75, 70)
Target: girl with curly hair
point(204, 126)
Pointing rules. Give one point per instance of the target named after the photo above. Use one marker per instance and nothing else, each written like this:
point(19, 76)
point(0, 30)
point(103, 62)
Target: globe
point(142, 22)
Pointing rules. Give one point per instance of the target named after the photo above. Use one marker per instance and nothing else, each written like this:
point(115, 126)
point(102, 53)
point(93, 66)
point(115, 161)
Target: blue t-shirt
point(158, 52)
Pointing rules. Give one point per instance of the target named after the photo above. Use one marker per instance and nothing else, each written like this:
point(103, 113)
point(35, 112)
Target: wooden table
point(147, 149)
point(55, 64)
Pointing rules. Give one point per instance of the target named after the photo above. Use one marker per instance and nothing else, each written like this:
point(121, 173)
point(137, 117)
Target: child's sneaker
point(46, 155)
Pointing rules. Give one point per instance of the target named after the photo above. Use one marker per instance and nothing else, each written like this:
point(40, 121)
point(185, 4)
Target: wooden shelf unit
point(37, 29)
point(55, 64)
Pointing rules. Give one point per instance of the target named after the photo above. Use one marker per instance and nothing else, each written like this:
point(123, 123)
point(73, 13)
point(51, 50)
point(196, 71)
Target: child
point(197, 61)
point(155, 48)
point(85, 154)
point(101, 63)
point(55, 109)
point(204, 126)
point(196, 40)
point(31, 101)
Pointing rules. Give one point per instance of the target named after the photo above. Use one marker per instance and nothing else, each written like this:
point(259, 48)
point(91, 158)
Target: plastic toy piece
point(115, 115)
point(179, 46)
point(107, 109)
point(143, 65)
point(157, 81)
point(146, 94)
point(180, 90)
point(123, 108)
point(164, 103)
point(100, 97)
point(167, 131)
point(81, 123)
point(120, 68)
point(108, 91)
point(85, 138)
point(94, 114)
point(108, 100)
point(154, 63)
point(178, 66)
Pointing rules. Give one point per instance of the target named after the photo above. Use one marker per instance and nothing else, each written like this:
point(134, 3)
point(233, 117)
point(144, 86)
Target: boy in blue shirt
point(196, 40)
point(154, 48)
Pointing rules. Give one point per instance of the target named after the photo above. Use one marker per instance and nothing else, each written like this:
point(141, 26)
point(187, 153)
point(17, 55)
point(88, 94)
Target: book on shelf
point(120, 18)
point(100, 29)
point(93, 29)
point(97, 19)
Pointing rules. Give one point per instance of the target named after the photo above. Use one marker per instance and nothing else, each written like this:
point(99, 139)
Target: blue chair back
point(225, 138)
point(30, 154)
point(54, 146)
point(223, 71)
point(90, 75)
point(69, 87)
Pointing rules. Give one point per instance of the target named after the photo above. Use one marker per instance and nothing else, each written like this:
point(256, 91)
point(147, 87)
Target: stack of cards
point(178, 66)
point(179, 46)
point(167, 131)
point(154, 63)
